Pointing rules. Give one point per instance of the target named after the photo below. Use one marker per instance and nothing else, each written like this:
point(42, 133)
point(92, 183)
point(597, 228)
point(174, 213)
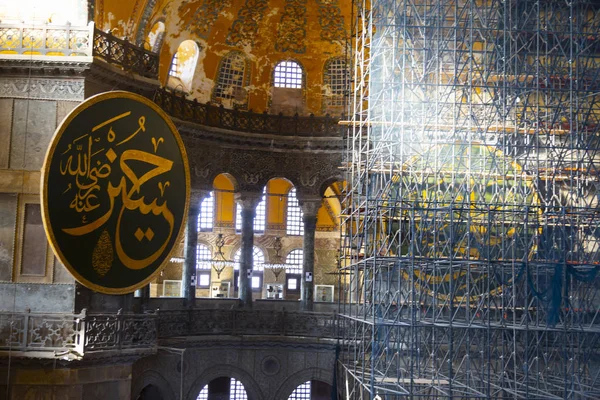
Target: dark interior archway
point(150, 392)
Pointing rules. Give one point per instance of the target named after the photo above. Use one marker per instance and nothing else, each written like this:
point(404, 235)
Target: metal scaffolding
point(471, 236)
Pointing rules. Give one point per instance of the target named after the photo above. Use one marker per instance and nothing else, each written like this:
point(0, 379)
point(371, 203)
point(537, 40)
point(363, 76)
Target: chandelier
point(278, 265)
point(219, 262)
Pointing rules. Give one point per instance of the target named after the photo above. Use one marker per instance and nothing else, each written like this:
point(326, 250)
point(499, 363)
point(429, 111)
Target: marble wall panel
point(35, 246)
point(6, 110)
point(33, 125)
point(8, 220)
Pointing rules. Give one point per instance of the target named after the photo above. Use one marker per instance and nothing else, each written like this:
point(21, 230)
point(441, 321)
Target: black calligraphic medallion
point(115, 190)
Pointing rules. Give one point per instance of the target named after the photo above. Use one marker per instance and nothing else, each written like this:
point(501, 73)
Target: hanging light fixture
point(278, 265)
point(219, 262)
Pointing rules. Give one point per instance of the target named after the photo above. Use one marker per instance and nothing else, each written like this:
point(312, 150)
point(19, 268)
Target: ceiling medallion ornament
point(115, 191)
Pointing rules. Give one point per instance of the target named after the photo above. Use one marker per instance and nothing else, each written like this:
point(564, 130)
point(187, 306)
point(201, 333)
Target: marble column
point(188, 279)
point(310, 208)
point(248, 201)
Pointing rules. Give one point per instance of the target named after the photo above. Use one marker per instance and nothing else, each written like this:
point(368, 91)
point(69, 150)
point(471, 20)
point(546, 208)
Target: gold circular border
point(46, 171)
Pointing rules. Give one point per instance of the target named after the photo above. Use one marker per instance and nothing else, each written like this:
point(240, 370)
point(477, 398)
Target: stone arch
point(153, 378)
point(217, 371)
point(325, 183)
point(309, 374)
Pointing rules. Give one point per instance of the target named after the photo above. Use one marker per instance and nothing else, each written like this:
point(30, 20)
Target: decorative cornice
point(256, 343)
point(44, 66)
point(42, 88)
point(257, 141)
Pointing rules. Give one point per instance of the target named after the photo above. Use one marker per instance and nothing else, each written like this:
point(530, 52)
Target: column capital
point(248, 200)
point(197, 196)
point(310, 205)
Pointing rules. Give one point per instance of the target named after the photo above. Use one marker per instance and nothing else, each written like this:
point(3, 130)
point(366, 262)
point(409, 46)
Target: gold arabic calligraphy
point(82, 162)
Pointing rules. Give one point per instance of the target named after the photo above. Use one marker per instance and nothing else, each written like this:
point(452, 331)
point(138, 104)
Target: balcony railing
point(68, 40)
point(47, 40)
point(178, 106)
point(246, 322)
point(70, 336)
point(124, 54)
point(53, 40)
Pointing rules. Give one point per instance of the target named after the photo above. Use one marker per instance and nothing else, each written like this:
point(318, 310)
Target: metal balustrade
point(178, 106)
point(124, 54)
point(20, 40)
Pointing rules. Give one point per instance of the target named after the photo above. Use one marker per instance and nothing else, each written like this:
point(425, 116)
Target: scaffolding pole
point(470, 260)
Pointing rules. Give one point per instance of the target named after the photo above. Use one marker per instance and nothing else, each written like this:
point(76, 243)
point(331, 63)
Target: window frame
point(205, 270)
point(335, 99)
point(260, 215)
point(298, 216)
point(218, 93)
point(256, 271)
point(295, 273)
point(289, 76)
point(201, 213)
point(175, 68)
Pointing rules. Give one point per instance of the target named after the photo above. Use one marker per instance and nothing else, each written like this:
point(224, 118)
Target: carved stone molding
point(40, 88)
point(310, 205)
point(256, 141)
point(45, 66)
point(107, 77)
point(248, 200)
point(252, 169)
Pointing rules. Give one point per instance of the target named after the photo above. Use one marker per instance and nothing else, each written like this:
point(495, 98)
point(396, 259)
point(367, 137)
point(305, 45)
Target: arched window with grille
point(233, 76)
point(287, 94)
point(183, 66)
point(335, 79)
point(260, 218)
point(258, 258)
point(206, 215)
point(293, 270)
point(203, 266)
point(294, 225)
point(155, 37)
point(288, 74)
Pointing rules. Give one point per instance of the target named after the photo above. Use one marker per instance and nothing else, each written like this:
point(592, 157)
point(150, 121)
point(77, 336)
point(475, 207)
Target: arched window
point(260, 219)
point(183, 66)
point(258, 258)
point(232, 78)
point(288, 74)
point(311, 390)
point(207, 211)
point(203, 266)
point(335, 78)
point(155, 37)
point(236, 390)
point(175, 69)
point(302, 392)
point(295, 225)
point(293, 270)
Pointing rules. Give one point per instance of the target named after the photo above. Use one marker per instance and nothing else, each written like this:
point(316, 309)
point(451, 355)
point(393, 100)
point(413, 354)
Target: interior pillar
point(310, 208)
point(248, 201)
point(188, 279)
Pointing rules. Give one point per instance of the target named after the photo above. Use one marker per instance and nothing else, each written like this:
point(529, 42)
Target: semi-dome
point(266, 55)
